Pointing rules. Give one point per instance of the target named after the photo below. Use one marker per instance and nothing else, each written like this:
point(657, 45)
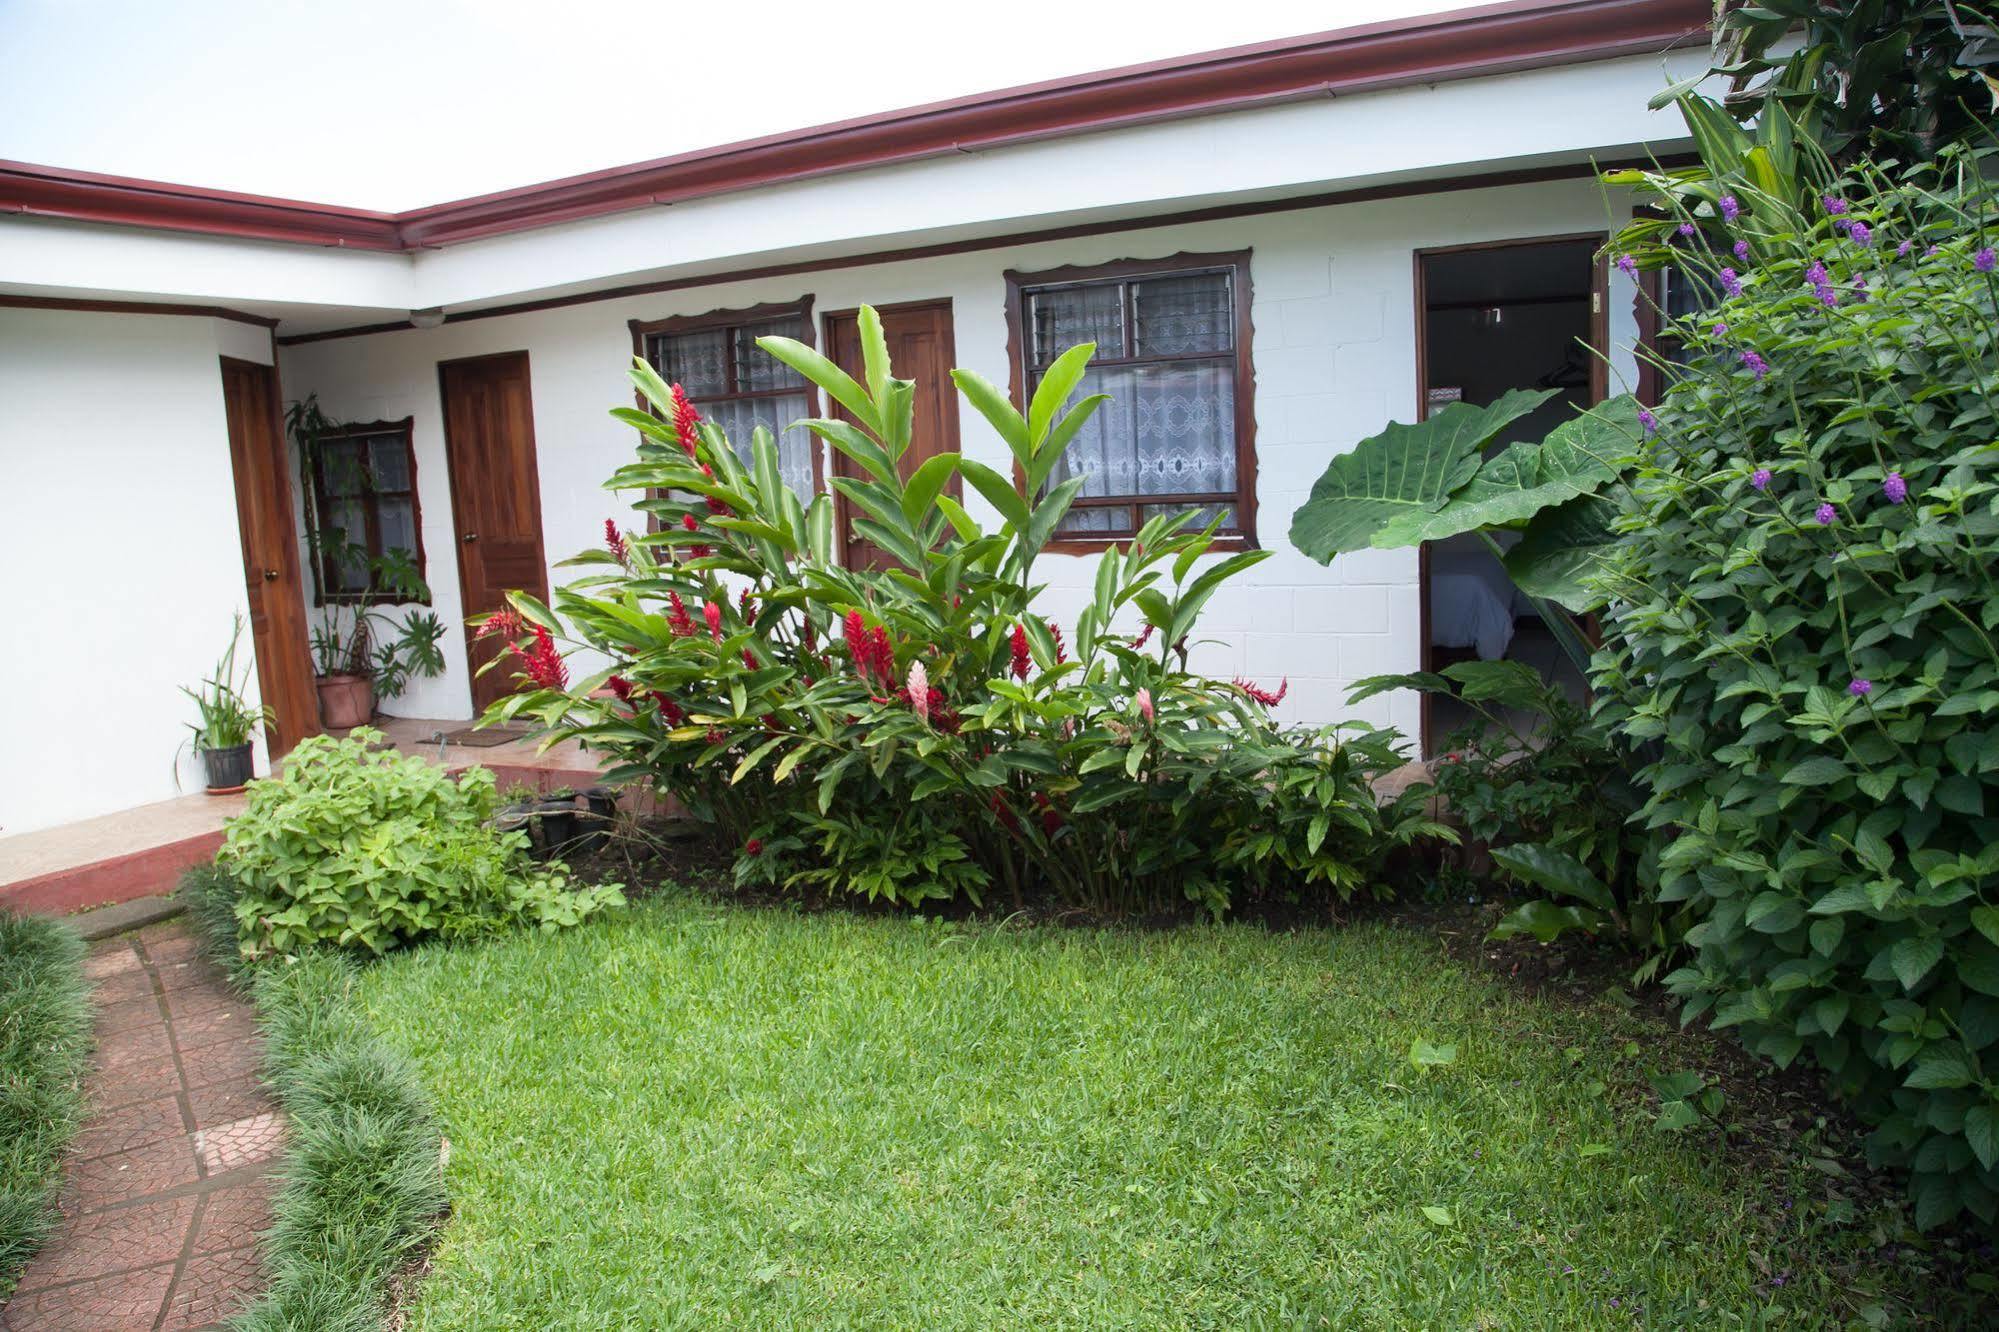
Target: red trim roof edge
point(1491, 39)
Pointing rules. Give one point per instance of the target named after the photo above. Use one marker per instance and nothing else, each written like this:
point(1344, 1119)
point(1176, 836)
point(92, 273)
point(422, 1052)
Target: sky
point(392, 104)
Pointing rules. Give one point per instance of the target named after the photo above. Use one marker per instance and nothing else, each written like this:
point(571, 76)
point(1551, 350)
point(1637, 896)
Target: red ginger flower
point(746, 606)
point(1000, 811)
point(1143, 634)
point(1264, 696)
point(712, 613)
point(882, 656)
point(615, 540)
point(685, 418)
point(544, 665)
point(754, 847)
point(1055, 632)
point(620, 686)
point(1051, 817)
point(504, 624)
point(749, 659)
point(1022, 659)
point(678, 619)
point(874, 659)
point(669, 711)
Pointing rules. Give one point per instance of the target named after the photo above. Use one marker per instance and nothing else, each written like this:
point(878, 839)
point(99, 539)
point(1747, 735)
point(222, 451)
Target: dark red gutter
point(1493, 39)
point(86, 196)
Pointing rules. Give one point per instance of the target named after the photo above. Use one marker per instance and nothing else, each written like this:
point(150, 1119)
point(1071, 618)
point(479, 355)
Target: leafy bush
point(1547, 787)
point(44, 1045)
point(368, 849)
point(1801, 612)
point(919, 732)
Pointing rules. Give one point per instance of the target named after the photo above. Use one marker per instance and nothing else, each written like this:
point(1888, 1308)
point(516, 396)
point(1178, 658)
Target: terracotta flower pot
point(345, 701)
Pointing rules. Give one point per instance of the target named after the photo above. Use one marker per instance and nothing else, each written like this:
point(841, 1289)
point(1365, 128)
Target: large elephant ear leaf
point(1563, 547)
point(1579, 456)
point(1405, 469)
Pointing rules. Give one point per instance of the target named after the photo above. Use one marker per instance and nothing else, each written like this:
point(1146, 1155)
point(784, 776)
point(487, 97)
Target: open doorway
point(1503, 315)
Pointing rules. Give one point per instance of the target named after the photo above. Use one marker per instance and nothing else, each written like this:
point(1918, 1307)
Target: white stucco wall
point(1334, 353)
point(118, 535)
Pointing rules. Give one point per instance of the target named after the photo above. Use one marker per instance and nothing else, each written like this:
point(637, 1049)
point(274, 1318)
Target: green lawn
point(701, 1117)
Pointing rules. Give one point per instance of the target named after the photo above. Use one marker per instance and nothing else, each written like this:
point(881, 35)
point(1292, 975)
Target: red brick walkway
point(168, 1184)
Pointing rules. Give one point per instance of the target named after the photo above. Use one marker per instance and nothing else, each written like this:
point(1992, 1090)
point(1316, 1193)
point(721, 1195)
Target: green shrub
point(367, 849)
point(44, 1041)
point(1547, 787)
point(920, 732)
point(363, 1177)
point(1801, 622)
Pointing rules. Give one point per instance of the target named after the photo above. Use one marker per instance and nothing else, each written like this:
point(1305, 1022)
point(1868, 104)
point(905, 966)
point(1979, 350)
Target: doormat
point(487, 738)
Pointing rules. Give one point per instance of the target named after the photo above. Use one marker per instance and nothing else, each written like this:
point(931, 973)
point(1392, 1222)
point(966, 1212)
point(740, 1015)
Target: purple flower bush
point(1820, 793)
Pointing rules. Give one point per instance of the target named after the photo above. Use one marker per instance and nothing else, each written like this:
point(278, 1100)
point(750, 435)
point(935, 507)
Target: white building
point(1294, 232)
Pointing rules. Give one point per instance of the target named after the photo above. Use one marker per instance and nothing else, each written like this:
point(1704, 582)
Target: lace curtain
point(1166, 359)
point(721, 367)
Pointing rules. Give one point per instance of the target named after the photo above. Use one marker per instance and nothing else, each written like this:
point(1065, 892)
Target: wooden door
point(270, 552)
point(920, 347)
point(495, 498)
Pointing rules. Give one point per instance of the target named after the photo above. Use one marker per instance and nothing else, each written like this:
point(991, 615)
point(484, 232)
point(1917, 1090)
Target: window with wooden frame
point(367, 525)
point(735, 383)
point(1179, 430)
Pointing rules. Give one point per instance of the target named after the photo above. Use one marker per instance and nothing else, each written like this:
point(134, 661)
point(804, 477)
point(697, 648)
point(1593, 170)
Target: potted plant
point(362, 653)
point(228, 721)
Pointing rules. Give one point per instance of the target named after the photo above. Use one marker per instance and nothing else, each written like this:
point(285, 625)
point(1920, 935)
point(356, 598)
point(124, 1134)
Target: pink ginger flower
point(919, 690)
point(1144, 700)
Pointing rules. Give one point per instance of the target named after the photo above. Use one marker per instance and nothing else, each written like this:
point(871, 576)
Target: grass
point(44, 1043)
point(363, 1184)
point(702, 1117)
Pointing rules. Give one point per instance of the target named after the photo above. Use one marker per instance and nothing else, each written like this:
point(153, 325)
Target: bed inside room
point(1500, 317)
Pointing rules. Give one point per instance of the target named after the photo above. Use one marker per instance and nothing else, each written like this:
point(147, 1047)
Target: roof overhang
point(1470, 43)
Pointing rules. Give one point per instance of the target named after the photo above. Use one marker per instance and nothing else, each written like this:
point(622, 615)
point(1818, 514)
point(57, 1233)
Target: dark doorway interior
point(1499, 317)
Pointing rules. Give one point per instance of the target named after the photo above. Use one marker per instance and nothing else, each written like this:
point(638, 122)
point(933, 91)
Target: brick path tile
point(222, 1024)
point(226, 1146)
point(172, 948)
point(137, 1047)
point(191, 973)
point(106, 1180)
point(221, 1061)
point(111, 961)
point(124, 985)
point(121, 1303)
point(142, 1235)
point(207, 997)
point(226, 1102)
point(160, 1221)
point(110, 1089)
point(211, 1287)
point(127, 1014)
point(131, 1126)
point(235, 1217)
